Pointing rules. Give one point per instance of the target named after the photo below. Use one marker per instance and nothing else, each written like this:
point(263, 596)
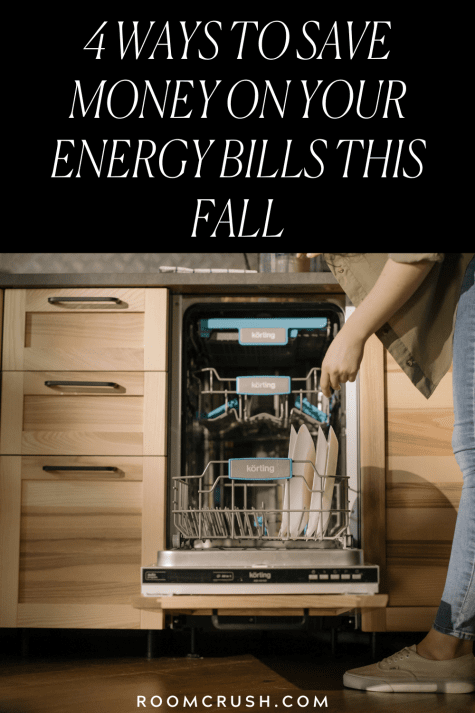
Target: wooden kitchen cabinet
point(82, 465)
point(423, 489)
point(68, 537)
point(84, 413)
point(411, 490)
point(44, 330)
point(81, 538)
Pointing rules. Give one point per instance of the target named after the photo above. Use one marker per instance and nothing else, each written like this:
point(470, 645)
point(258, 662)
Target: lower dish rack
point(234, 536)
point(212, 510)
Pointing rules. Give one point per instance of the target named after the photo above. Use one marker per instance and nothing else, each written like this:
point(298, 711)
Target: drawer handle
point(52, 300)
point(80, 467)
point(82, 383)
point(269, 626)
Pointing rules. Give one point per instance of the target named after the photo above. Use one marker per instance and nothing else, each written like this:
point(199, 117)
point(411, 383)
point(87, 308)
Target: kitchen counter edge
point(180, 282)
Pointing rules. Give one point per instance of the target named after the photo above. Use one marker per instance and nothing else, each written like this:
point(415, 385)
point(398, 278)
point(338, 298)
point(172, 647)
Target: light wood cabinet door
point(78, 533)
point(85, 329)
point(83, 440)
point(424, 485)
point(83, 413)
point(411, 486)
point(1, 327)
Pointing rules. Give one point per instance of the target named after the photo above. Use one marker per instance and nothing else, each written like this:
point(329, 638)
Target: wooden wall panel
point(434, 470)
point(155, 413)
point(11, 413)
point(410, 618)
point(372, 452)
point(373, 467)
point(415, 585)
point(14, 330)
point(424, 495)
point(402, 395)
point(421, 524)
point(78, 616)
point(156, 330)
point(80, 542)
point(153, 526)
point(407, 553)
point(153, 508)
point(10, 499)
point(424, 485)
point(1, 327)
point(420, 432)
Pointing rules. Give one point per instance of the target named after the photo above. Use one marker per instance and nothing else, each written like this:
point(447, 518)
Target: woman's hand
point(308, 254)
point(395, 285)
point(342, 361)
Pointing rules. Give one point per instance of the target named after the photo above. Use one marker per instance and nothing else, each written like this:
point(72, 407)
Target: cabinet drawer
point(78, 538)
point(119, 414)
point(80, 542)
point(44, 329)
point(82, 468)
point(109, 299)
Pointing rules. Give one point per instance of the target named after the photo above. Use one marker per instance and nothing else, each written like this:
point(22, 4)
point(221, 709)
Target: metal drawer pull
point(82, 383)
point(52, 300)
point(80, 467)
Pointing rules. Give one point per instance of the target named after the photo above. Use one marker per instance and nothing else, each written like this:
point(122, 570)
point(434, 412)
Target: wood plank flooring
point(105, 672)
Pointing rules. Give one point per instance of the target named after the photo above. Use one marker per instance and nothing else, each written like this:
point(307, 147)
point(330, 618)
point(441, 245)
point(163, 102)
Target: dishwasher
point(246, 512)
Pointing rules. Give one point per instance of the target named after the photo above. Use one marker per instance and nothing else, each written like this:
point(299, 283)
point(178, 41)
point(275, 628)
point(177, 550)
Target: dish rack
point(222, 404)
point(219, 511)
point(227, 341)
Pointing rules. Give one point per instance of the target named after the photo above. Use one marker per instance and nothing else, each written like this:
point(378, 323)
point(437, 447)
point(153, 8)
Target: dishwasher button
point(345, 576)
point(324, 576)
point(334, 576)
point(356, 576)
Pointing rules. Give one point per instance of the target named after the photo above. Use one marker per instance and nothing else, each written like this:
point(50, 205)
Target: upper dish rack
point(223, 403)
point(241, 341)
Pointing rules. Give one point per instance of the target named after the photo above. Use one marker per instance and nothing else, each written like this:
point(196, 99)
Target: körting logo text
point(263, 335)
point(260, 468)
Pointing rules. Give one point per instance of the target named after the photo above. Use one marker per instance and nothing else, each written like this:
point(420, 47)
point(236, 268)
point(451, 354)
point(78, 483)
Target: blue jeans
point(456, 613)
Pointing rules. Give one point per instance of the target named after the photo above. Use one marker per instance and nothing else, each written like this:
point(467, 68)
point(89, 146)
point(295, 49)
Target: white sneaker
point(406, 671)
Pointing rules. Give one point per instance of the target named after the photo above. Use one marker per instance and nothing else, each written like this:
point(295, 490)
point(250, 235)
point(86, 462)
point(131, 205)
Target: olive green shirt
point(419, 335)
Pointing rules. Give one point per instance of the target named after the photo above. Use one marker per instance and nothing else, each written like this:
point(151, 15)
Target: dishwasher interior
point(263, 475)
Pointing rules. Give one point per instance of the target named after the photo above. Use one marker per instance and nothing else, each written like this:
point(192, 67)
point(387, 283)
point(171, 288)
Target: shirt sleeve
point(416, 257)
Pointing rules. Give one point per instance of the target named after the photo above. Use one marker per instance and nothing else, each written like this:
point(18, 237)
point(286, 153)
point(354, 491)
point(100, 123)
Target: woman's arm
point(395, 285)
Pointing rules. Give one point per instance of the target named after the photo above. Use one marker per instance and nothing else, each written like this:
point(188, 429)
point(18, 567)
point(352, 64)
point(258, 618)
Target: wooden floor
point(105, 672)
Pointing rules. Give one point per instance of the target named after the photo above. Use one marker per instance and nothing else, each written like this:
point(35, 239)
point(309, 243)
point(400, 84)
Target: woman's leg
point(453, 630)
point(443, 661)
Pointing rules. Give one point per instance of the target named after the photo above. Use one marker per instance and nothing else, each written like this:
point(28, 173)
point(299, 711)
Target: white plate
point(300, 494)
point(329, 482)
point(316, 501)
point(285, 515)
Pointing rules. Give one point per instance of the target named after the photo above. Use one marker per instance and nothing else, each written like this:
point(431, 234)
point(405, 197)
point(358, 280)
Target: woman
point(409, 300)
